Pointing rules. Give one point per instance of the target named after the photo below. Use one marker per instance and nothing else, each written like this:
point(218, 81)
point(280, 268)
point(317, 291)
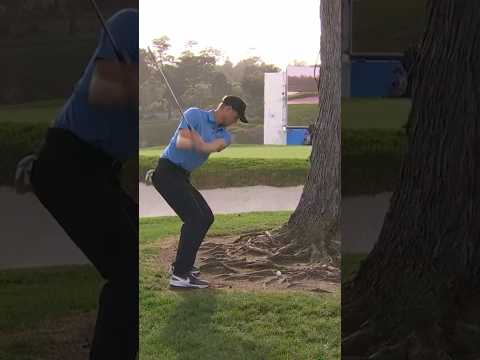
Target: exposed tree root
point(456, 338)
point(260, 260)
point(267, 257)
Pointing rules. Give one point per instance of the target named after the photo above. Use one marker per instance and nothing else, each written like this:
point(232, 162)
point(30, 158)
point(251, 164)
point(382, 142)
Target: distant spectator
point(399, 81)
point(307, 140)
point(309, 135)
point(409, 61)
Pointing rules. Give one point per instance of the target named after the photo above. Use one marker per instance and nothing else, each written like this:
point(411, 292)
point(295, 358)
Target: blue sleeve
point(124, 28)
point(192, 116)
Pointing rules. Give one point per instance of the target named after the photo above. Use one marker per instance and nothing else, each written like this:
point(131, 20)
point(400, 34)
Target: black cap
point(237, 104)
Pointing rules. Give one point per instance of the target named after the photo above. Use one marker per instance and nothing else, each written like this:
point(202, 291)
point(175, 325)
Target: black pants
point(79, 186)
point(173, 183)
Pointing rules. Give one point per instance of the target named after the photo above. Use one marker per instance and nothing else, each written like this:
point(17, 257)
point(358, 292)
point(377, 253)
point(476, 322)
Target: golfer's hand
point(190, 139)
point(114, 84)
point(207, 147)
point(22, 174)
point(197, 141)
point(149, 176)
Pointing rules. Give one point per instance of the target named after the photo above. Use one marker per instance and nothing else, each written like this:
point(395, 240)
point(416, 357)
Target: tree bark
point(315, 222)
point(424, 271)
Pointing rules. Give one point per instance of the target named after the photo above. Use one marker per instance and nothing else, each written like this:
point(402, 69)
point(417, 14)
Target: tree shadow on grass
point(196, 330)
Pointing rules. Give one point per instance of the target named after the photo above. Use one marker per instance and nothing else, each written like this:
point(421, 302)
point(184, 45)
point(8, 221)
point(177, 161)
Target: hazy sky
point(277, 31)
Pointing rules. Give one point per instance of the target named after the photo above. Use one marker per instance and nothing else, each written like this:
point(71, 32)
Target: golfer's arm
point(185, 141)
point(114, 84)
point(214, 146)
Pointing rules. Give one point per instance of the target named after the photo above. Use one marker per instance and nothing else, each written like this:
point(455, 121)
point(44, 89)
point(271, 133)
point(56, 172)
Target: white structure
point(275, 109)
point(275, 88)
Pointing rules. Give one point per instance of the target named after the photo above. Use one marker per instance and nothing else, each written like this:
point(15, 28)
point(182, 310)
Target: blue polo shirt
point(204, 123)
point(115, 131)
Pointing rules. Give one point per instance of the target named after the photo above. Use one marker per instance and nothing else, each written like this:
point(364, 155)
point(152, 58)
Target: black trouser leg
point(190, 206)
point(117, 318)
point(102, 221)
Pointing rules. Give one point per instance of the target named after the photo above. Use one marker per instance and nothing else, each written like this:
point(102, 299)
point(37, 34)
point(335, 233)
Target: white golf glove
point(22, 174)
point(148, 176)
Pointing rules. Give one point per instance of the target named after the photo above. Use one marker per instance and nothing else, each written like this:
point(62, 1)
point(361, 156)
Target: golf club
point(116, 49)
point(159, 68)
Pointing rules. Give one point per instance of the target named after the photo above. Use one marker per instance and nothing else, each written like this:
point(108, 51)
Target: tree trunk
point(306, 247)
point(315, 222)
point(420, 278)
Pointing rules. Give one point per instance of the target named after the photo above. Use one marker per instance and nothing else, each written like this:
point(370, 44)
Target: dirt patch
point(65, 338)
point(220, 264)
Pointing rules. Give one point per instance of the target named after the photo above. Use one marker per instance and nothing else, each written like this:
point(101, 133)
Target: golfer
point(199, 134)
point(76, 178)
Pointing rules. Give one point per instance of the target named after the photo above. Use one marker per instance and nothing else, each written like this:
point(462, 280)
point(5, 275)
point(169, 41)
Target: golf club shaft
point(108, 33)
point(159, 68)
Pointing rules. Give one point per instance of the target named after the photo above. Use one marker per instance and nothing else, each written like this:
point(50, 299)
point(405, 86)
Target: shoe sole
point(179, 285)
point(183, 288)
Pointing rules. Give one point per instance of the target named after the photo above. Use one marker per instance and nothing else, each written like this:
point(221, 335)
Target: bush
point(229, 172)
point(373, 142)
point(371, 162)
point(17, 139)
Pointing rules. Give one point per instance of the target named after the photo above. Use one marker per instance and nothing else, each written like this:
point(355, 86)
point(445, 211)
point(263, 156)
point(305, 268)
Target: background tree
point(313, 228)
point(310, 239)
point(198, 78)
point(162, 46)
point(252, 84)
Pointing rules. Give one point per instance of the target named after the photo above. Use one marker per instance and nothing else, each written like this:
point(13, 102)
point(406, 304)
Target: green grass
point(373, 113)
point(216, 324)
point(302, 114)
point(40, 111)
point(32, 295)
point(235, 325)
point(249, 152)
point(157, 228)
point(358, 113)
